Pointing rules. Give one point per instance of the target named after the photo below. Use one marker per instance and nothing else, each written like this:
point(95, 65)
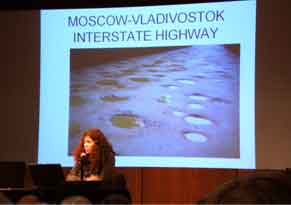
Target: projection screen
point(170, 86)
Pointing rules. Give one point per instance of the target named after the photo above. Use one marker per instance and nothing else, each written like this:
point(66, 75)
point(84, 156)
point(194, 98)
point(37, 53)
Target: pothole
point(197, 120)
point(126, 121)
point(197, 96)
point(195, 106)
point(165, 99)
point(187, 82)
point(109, 82)
point(113, 98)
point(195, 137)
point(179, 114)
point(140, 80)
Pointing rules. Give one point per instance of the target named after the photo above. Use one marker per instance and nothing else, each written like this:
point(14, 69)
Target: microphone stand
point(82, 169)
point(82, 162)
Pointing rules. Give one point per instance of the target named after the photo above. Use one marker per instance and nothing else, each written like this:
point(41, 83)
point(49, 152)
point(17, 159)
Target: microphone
point(83, 155)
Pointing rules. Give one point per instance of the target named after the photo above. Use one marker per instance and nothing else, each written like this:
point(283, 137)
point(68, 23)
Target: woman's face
point(89, 145)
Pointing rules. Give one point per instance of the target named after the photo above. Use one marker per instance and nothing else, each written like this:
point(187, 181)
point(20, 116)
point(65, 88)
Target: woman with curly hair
point(94, 158)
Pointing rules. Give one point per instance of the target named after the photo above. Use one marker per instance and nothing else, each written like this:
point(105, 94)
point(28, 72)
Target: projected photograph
point(159, 101)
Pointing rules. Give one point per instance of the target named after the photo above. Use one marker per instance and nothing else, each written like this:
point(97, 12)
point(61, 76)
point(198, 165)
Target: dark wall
point(19, 62)
point(273, 83)
point(19, 54)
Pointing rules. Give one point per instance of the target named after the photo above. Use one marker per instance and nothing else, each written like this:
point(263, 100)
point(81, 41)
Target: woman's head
point(91, 141)
point(93, 138)
point(95, 144)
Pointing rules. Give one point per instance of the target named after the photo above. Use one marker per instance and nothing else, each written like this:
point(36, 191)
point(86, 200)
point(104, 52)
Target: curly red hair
point(100, 153)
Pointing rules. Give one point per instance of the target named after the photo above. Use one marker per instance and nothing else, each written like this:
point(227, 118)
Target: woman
point(94, 158)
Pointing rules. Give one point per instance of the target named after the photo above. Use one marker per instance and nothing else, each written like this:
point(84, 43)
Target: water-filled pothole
point(113, 98)
point(220, 101)
point(165, 99)
point(129, 71)
point(177, 69)
point(109, 82)
point(195, 106)
point(172, 87)
point(179, 114)
point(140, 80)
point(198, 120)
point(159, 75)
point(76, 100)
point(148, 65)
point(187, 82)
point(152, 70)
point(195, 137)
point(126, 121)
point(197, 96)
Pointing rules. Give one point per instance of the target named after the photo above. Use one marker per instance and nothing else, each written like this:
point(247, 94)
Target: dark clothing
point(106, 172)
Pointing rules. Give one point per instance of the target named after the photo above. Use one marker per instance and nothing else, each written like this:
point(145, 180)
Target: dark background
point(59, 4)
point(20, 71)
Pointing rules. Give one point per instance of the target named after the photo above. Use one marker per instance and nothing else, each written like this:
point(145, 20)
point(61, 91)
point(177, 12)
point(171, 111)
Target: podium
point(50, 185)
point(96, 192)
point(111, 191)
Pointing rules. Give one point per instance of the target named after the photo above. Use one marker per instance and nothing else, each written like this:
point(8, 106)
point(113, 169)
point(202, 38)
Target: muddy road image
point(179, 101)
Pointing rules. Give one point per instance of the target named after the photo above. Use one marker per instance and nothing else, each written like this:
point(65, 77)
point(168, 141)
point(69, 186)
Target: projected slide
point(170, 86)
